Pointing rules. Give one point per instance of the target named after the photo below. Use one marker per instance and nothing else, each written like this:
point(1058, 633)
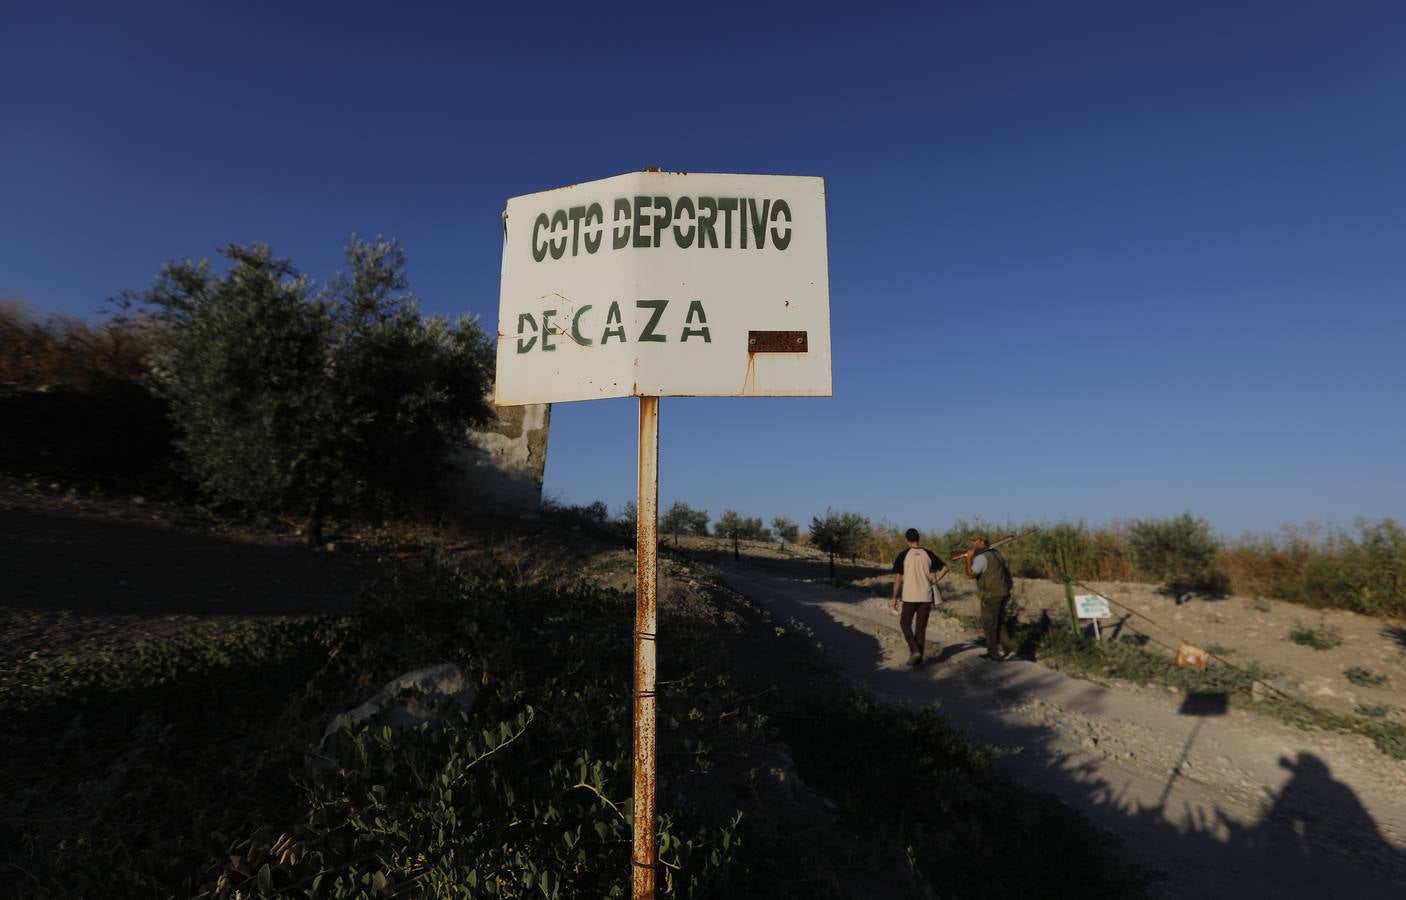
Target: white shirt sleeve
point(979, 564)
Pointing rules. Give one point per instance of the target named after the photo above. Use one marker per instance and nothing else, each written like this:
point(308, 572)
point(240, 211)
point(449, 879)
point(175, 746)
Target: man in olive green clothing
point(993, 586)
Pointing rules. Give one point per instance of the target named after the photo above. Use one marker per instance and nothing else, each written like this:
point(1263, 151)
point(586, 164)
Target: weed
point(1220, 650)
point(1127, 659)
point(1364, 677)
point(1074, 654)
point(1324, 637)
point(1375, 711)
point(188, 748)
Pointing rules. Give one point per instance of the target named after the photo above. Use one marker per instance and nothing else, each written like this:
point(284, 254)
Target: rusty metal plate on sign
point(776, 342)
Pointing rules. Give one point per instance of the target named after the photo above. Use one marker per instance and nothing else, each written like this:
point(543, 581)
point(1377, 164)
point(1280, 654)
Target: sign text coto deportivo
point(644, 222)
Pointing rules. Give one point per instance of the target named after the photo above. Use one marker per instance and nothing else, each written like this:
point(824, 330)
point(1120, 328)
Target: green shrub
point(1324, 637)
point(1364, 677)
point(1180, 552)
point(1366, 573)
point(1126, 659)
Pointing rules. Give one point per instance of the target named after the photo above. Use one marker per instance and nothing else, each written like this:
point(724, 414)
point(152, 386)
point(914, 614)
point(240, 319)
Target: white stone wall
point(504, 466)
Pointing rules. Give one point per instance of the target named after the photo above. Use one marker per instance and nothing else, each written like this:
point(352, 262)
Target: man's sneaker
point(915, 659)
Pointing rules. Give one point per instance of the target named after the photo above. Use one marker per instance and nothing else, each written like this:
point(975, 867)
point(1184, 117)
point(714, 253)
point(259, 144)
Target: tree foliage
point(786, 530)
point(629, 517)
point(291, 398)
point(839, 534)
point(680, 518)
point(738, 528)
point(1180, 551)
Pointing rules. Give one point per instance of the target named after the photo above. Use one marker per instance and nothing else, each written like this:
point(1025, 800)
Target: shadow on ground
point(70, 578)
point(1312, 837)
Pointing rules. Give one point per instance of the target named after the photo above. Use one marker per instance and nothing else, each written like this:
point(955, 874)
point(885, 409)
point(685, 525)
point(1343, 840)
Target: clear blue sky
point(1099, 261)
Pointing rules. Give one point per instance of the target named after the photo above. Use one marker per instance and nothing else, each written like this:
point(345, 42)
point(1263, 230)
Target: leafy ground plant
point(1324, 637)
point(169, 770)
point(1364, 677)
point(1068, 652)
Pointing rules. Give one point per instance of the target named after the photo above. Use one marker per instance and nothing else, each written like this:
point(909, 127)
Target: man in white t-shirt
point(916, 572)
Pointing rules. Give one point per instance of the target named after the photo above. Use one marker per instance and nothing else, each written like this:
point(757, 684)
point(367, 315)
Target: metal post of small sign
point(646, 623)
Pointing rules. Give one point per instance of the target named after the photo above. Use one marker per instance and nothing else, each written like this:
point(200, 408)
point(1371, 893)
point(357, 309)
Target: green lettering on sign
point(728, 205)
point(758, 223)
point(663, 215)
point(594, 215)
point(658, 307)
point(576, 334)
point(781, 238)
point(613, 315)
point(641, 217)
point(707, 215)
point(621, 237)
point(558, 221)
point(577, 213)
point(696, 306)
point(525, 319)
point(546, 326)
point(539, 251)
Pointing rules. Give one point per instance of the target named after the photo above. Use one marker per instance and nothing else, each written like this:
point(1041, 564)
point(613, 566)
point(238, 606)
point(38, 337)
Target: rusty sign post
point(659, 284)
point(646, 651)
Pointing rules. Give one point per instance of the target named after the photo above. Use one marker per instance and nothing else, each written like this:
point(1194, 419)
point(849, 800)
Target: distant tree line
point(840, 534)
point(1362, 570)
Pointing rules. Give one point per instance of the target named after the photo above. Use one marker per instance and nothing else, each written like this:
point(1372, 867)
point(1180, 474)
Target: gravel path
point(1224, 803)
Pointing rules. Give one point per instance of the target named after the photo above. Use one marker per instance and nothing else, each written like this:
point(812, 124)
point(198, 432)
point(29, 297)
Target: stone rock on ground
point(424, 695)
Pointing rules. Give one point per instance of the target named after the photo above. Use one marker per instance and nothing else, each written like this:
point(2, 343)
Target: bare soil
point(1222, 801)
point(1242, 630)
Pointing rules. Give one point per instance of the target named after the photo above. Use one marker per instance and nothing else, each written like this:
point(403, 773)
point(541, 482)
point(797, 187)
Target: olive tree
point(738, 528)
point(680, 518)
point(786, 530)
point(839, 534)
point(292, 398)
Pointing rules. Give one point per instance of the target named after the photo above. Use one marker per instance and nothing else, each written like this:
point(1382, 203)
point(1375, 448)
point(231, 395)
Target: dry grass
point(61, 350)
point(1363, 570)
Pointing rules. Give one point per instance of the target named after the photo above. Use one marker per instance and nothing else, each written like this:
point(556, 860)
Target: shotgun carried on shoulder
point(963, 554)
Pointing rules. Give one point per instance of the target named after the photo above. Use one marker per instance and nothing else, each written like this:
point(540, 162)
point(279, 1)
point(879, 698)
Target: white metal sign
point(1092, 606)
point(665, 284)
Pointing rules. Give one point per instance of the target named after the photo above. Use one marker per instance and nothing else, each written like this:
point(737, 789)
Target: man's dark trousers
point(915, 632)
point(993, 622)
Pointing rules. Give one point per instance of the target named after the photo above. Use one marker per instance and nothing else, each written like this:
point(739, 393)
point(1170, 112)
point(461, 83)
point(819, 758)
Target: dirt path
point(1231, 804)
